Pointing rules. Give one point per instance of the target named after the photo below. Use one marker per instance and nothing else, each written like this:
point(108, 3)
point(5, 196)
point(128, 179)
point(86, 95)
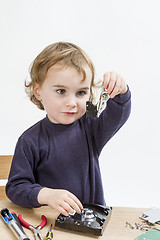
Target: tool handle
point(16, 218)
point(24, 223)
point(44, 221)
point(49, 236)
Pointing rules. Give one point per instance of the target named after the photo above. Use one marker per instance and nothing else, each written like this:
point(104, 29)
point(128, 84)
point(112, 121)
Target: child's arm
point(61, 200)
point(114, 115)
point(23, 189)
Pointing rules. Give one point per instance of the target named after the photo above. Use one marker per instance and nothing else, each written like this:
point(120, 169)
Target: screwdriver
point(49, 235)
point(13, 223)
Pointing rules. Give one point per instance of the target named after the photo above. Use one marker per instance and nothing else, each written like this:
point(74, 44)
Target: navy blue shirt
point(65, 156)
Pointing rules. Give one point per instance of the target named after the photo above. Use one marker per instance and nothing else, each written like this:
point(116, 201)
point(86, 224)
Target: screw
point(130, 225)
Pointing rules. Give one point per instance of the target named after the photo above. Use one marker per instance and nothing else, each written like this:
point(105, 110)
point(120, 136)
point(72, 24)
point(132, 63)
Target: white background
point(118, 35)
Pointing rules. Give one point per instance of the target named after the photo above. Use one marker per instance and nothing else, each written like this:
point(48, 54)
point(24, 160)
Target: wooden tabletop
point(115, 230)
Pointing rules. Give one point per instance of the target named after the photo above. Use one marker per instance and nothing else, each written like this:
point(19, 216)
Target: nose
point(71, 102)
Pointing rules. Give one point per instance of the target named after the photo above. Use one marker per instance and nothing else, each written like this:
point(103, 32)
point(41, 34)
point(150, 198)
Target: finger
point(76, 200)
point(62, 210)
point(66, 206)
point(111, 83)
point(106, 79)
point(73, 205)
point(117, 87)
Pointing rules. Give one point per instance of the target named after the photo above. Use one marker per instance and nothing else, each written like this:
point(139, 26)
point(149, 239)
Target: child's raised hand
point(61, 200)
point(114, 84)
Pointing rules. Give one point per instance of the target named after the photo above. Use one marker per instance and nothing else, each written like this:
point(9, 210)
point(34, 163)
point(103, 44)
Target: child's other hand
point(61, 200)
point(114, 84)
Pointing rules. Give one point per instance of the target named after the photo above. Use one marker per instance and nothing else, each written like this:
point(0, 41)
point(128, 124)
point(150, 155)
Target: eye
point(81, 93)
point(61, 91)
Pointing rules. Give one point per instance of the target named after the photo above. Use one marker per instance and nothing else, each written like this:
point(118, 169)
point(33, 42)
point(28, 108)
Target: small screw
point(130, 225)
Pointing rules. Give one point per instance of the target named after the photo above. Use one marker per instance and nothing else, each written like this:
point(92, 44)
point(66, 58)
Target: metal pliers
point(36, 230)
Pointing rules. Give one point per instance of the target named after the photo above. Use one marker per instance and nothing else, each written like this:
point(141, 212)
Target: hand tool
point(13, 224)
point(36, 230)
point(49, 235)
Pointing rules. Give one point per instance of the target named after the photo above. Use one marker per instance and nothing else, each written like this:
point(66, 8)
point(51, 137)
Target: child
point(56, 160)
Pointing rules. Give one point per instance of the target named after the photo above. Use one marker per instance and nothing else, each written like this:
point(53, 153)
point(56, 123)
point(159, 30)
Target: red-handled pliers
point(36, 230)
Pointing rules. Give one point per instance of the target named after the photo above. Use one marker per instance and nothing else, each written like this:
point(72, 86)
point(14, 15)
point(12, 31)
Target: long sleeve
point(21, 187)
point(111, 119)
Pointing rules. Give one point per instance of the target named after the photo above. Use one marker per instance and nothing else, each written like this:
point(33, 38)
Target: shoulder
point(32, 134)
point(34, 128)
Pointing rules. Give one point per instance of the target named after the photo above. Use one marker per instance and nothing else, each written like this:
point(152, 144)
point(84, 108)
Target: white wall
point(119, 35)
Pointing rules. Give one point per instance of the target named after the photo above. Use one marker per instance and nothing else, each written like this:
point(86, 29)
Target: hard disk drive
point(92, 219)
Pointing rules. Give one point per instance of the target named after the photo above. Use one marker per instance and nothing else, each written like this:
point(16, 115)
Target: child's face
point(64, 94)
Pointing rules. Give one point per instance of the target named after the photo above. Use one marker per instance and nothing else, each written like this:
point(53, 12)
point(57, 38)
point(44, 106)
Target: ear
point(37, 91)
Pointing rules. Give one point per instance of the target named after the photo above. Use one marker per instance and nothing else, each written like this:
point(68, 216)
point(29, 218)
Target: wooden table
point(116, 228)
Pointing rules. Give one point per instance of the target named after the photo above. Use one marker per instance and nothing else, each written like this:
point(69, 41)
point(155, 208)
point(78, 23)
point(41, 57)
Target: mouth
point(70, 113)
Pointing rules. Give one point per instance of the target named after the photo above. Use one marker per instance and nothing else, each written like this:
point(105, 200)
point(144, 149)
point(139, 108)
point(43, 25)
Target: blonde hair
point(63, 53)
